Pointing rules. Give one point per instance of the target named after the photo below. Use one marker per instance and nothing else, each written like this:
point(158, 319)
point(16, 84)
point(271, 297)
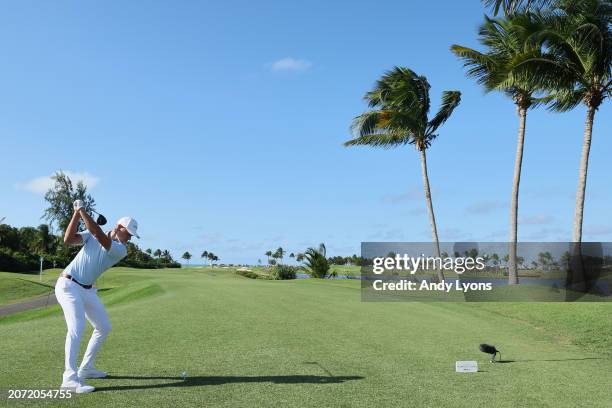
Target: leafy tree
point(28, 240)
point(400, 106)
point(299, 257)
point(61, 198)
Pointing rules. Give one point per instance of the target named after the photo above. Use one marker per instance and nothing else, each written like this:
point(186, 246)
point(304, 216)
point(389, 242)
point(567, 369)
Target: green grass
point(251, 342)
point(17, 287)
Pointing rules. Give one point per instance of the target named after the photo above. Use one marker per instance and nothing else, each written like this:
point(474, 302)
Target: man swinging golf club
point(79, 299)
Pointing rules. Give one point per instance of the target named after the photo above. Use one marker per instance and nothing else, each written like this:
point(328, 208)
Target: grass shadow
point(220, 380)
point(560, 359)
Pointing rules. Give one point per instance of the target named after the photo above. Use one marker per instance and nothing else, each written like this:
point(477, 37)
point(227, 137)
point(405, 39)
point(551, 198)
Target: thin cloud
point(547, 233)
point(598, 230)
point(290, 64)
point(483, 207)
point(41, 185)
point(536, 220)
point(414, 194)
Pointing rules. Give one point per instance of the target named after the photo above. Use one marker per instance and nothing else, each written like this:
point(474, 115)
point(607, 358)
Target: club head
point(101, 220)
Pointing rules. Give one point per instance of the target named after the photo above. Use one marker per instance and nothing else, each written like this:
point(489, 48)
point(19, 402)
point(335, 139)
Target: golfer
point(77, 296)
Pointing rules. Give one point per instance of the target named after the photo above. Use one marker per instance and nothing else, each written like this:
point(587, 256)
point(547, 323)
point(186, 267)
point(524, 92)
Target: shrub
point(248, 274)
point(316, 262)
point(11, 261)
point(281, 272)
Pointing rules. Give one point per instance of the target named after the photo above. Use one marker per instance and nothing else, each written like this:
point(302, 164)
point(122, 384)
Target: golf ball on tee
point(184, 374)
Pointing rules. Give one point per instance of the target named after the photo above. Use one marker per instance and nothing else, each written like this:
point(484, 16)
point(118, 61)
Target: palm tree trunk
point(576, 278)
point(518, 164)
point(432, 217)
point(582, 176)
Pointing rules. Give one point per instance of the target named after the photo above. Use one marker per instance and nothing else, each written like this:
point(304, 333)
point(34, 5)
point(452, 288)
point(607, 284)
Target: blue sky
point(219, 126)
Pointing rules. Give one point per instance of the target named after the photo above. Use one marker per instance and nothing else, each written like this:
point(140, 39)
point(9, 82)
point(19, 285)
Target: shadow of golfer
point(220, 380)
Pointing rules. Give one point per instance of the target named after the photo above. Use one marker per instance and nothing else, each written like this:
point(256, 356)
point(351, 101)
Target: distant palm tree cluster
point(314, 259)
point(209, 256)
point(277, 256)
point(555, 53)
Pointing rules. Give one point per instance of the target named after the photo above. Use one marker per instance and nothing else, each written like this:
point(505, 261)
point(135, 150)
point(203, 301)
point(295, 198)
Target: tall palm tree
point(580, 40)
point(399, 116)
point(268, 254)
point(508, 42)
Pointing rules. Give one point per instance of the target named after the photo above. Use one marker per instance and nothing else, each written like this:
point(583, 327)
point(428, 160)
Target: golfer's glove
point(78, 204)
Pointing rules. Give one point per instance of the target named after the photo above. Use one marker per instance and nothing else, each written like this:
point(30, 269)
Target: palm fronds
point(401, 103)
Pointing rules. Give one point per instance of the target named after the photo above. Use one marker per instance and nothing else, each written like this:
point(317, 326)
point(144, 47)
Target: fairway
point(247, 342)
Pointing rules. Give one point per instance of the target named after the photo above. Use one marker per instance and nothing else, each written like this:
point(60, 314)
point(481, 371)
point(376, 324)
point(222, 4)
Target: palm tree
point(280, 253)
point(316, 261)
point(211, 257)
point(495, 260)
point(299, 257)
point(45, 238)
point(186, 256)
point(268, 254)
point(157, 253)
point(516, 6)
point(399, 116)
point(508, 43)
point(204, 255)
point(580, 40)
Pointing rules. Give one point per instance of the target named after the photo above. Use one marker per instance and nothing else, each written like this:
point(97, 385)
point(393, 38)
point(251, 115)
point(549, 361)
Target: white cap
point(129, 224)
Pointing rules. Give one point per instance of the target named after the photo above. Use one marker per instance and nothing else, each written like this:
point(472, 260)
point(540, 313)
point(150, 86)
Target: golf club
point(101, 220)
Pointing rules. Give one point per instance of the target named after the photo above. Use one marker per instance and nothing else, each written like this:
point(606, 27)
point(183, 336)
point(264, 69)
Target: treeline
point(346, 260)
point(21, 249)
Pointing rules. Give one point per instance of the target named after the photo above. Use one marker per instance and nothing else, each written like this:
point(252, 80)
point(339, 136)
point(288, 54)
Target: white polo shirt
point(93, 259)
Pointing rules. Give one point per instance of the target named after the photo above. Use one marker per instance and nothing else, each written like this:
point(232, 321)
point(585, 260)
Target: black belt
point(65, 275)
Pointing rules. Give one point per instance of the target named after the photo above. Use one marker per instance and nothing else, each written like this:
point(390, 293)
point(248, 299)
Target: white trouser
point(79, 303)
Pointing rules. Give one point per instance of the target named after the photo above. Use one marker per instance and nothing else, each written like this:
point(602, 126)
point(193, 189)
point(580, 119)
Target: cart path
point(42, 301)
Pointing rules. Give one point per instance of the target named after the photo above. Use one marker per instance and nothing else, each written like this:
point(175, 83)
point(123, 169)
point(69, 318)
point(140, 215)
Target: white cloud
point(290, 64)
point(40, 185)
